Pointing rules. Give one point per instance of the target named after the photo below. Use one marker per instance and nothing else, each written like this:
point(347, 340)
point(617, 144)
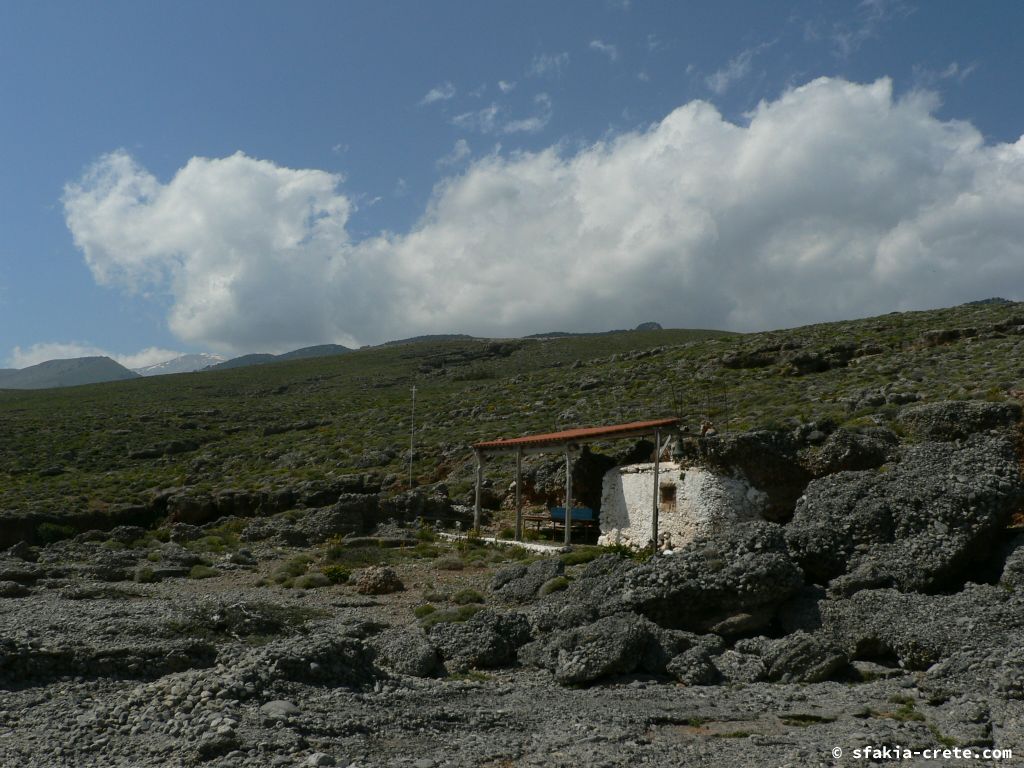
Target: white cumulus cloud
point(230, 238)
point(834, 200)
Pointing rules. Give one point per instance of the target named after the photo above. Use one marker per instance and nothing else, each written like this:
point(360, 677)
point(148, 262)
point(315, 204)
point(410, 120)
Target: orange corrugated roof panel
point(595, 433)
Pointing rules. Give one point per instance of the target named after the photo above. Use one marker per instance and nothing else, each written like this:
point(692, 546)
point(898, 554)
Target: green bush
point(296, 566)
point(518, 553)
point(467, 596)
point(423, 550)
point(582, 555)
point(210, 543)
point(423, 610)
point(145, 575)
point(462, 613)
point(554, 585)
point(312, 581)
point(336, 574)
point(203, 572)
point(358, 557)
point(449, 564)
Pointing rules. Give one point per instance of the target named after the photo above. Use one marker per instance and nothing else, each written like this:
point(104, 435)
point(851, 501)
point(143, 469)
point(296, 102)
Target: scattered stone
point(406, 652)
point(319, 759)
point(13, 589)
point(278, 710)
point(377, 580)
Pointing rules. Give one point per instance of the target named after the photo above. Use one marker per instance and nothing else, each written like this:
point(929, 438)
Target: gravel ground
point(108, 675)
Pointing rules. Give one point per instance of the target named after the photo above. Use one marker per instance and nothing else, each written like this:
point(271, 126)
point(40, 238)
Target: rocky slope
point(881, 606)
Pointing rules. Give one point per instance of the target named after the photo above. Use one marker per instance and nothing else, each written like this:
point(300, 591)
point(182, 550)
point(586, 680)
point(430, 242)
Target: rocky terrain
point(882, 605)
point(232, 568)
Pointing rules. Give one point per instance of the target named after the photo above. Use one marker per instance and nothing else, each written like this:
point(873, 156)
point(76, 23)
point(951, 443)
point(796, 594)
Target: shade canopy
point(551, 441)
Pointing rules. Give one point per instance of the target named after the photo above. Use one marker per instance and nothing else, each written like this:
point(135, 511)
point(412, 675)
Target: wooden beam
point(554, 447)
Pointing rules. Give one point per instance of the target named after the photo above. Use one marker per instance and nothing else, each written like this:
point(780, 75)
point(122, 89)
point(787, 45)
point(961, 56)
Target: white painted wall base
point(704, 502)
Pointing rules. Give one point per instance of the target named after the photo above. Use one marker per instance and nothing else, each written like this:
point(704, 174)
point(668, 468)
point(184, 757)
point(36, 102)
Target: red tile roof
point(571, 435)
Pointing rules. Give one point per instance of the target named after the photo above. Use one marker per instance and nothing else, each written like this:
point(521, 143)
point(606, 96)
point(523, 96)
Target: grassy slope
point(466, 390)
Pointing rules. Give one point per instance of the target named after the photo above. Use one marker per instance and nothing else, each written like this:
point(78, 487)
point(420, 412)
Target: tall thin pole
point(519, 494)
point(412, 434)
point(568, 496)
point(654, 510)
point(479, 489)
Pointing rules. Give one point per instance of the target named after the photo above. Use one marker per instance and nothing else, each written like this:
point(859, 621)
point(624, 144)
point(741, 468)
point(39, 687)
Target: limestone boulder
point(924, 522)
point(955, 420)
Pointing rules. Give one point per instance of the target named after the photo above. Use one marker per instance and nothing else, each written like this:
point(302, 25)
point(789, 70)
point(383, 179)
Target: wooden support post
point(519, 494)
point(479, 490)
point(657, 491)
point(568, 496)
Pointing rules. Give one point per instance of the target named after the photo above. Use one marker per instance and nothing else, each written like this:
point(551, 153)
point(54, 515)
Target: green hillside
point(82, 449)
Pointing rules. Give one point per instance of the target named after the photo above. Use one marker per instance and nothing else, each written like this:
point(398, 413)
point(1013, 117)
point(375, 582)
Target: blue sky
point(495, 168)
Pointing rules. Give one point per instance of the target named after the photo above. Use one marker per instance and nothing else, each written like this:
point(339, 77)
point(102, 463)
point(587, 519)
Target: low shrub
point(450, 564)
point(203, 572)
point(467, 596)
point(554, 585)
point(336, 574)
point(312, 580)
point(462, 613)
point(582, 555)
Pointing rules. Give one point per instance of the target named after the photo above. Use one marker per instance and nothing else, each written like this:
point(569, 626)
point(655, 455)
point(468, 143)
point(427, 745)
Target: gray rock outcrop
point(487, 640)
point(955, 420)
point(919, 525)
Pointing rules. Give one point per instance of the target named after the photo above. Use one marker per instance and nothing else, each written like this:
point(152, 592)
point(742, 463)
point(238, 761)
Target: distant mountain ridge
point(429, 338)
point(66, 373)
point(319, 350)
point(182, 364)
point(648, 326)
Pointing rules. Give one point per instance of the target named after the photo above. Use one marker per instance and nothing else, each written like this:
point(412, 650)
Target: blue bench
point(582, 517)
point(579, 515)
